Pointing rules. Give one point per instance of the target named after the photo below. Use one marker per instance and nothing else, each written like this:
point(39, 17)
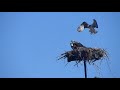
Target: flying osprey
point(91, 27)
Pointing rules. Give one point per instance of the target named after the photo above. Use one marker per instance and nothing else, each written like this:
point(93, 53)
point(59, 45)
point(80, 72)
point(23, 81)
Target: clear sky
point(30, 43)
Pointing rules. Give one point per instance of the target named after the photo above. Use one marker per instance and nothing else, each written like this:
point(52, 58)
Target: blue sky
point(30, 43)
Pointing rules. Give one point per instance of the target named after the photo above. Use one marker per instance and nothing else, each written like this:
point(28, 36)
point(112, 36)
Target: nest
point(81, 53)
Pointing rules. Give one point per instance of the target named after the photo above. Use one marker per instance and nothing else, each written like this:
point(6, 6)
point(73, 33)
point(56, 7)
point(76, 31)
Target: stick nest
point(80, 53)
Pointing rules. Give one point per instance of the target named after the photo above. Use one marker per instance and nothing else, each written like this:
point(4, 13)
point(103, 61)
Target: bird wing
point(94, 25)
point(92, 30)
point(86, 25)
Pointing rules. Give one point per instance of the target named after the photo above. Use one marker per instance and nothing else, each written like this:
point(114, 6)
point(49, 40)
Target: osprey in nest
point(90, 27)
point(80, 53)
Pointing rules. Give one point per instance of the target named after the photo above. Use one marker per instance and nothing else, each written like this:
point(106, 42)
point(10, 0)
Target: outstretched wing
point(94, 25)
point(92, 30)
point(86, 25)
point(82, 27)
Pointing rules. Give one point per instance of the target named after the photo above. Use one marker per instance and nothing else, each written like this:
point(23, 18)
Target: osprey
point(91, 27)
point(75, 44)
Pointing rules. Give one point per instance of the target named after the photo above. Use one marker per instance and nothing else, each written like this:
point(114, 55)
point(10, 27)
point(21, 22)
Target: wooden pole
point(85, 69)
